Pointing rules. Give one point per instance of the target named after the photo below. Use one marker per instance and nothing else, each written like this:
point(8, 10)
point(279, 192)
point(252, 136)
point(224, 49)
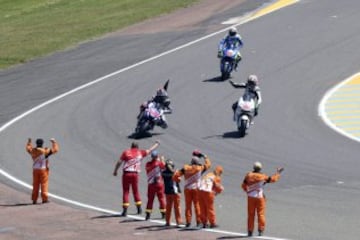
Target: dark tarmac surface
point(19, 218)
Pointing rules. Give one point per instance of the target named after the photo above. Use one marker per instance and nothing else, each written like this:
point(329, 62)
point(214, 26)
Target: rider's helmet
point(161, 92)
point(161, 97)
point(252, 81)
point(232, 32)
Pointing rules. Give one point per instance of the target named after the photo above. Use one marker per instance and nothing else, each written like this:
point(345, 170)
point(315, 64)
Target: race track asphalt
point(298, 52)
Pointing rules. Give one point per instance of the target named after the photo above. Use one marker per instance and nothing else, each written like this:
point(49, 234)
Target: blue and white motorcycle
point(228, 61)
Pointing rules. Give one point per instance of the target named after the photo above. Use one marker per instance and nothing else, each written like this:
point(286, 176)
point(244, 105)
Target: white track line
point(32, 110)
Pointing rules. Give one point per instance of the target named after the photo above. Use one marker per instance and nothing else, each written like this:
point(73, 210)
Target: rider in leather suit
point(232, 39)
point(252, 86)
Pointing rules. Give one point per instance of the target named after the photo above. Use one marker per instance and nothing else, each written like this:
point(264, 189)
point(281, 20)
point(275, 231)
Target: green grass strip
point(34, 28)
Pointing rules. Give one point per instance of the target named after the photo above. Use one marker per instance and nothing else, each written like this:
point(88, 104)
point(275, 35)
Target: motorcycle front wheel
point(242, 128)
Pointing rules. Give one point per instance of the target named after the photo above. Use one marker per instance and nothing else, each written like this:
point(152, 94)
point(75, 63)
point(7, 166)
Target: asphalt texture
point(298, 52)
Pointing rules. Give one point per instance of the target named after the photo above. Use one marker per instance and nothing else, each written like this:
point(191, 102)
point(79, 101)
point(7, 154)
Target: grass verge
point(34, 28)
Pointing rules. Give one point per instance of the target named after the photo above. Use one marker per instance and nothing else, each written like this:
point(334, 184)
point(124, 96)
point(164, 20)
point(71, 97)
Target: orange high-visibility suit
point(192, 175)
point(210, 186)
point(41, 169)
point(253, 185)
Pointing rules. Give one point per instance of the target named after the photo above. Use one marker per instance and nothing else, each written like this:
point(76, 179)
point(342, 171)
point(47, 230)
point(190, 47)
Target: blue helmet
point(154, 154)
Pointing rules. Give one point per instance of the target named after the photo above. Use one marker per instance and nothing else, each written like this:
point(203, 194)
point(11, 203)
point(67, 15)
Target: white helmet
point(232, 31)
point(252, 81)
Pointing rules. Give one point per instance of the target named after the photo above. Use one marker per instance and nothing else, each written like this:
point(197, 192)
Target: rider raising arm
point(252, 87)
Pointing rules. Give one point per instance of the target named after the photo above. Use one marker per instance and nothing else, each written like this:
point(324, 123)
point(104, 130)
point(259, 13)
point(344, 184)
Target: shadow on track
point(232, 134)
point(232, 237)
point(156, 228)
point(16, 205)
point(144, 135)
point(107, 216)
point(214, 79)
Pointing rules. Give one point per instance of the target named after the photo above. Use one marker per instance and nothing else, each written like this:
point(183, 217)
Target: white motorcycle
point(245, 112)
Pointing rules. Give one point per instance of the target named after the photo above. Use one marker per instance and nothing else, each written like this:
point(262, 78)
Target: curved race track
point(299, 53)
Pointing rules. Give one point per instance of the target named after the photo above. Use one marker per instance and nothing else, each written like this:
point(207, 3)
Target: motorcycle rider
point(148, 107)
point(162, 99)
point(253, 89)
point(159, 102)
point(234, 41)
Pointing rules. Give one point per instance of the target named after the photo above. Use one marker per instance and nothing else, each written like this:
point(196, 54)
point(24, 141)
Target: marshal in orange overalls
point(253, 185)
point(40, 156)
point(210, 186)
point(192, 175)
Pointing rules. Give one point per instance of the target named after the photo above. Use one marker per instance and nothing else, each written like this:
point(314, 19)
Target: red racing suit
point(155, 184)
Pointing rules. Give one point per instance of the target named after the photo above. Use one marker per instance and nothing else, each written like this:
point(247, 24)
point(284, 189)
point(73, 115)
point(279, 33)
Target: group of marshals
point(199, 189)
point(163, 181)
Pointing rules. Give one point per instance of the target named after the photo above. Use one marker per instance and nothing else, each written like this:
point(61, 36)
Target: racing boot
point(238, 59)
point(163, 124)
point(233, 107)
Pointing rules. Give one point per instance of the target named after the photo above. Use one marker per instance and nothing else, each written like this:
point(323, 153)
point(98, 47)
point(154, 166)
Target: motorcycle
point(245, 112)
point(227, 63)
point(151, 115)
point(152, 112)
